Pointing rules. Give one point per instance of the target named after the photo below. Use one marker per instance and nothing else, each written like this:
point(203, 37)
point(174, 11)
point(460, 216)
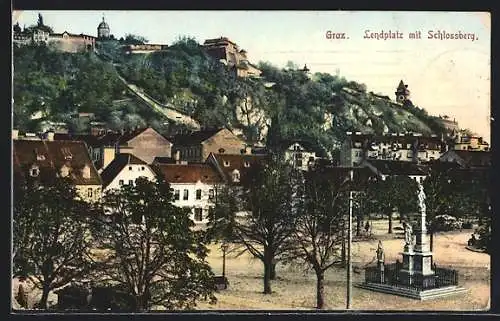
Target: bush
point(467, 225)
point(446, 223)
point(484, 239)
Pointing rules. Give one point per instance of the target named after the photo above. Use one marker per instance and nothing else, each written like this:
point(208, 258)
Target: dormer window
point(226, 163)
point(235, 176)
point(246, 164)
point(40, 157)
point(34, 171)
point(67, 154)
point(221, 150)
point(64, 171)
point(86, 172)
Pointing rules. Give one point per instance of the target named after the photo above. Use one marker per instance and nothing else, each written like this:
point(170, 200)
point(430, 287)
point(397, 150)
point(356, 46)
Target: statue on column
point(408, 234)
point(421, 198)
point(380, 253)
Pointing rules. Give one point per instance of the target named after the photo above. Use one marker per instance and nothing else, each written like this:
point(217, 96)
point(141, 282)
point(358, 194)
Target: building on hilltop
point(73, 43)
point(402, 93)
point(66, 42)
point(103, 31)
point(451, 126)
point(228, 52)
point(143, 49)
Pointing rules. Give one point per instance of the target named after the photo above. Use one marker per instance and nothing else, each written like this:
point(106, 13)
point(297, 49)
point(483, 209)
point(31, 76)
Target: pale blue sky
point(444, 76)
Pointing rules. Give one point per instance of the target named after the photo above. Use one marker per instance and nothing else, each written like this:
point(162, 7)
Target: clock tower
point(402, 93)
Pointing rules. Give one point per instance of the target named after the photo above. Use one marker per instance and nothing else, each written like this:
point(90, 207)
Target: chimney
point(177, 157)
point(15, 133)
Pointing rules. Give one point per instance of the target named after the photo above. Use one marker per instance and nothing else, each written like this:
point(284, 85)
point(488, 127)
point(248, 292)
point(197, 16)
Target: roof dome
point(103, 25)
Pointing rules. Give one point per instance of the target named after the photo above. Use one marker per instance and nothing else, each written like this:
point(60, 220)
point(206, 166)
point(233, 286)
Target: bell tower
point(402, 93)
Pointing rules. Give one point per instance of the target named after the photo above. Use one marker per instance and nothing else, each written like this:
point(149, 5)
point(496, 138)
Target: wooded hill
point(282, 104)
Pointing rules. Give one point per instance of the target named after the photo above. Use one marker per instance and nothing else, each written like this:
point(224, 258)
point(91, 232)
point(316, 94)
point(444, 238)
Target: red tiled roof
point(50, 156)
point(90, 140)
point(189, 173)
point(241, 162)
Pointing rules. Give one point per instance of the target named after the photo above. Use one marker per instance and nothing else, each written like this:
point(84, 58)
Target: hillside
point(186, 81)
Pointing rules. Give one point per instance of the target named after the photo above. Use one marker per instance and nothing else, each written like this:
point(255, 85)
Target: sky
point(446, 77)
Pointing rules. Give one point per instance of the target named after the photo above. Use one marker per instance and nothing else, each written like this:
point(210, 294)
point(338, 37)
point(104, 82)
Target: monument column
point(417, 259)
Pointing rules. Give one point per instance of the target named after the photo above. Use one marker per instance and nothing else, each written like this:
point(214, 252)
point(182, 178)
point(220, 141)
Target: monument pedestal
point(417, 269)
point(416, 278)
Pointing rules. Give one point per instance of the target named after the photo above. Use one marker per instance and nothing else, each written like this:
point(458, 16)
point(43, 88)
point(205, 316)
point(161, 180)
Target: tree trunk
point(358, 225)
point(267, 272)
point(431, 240)
point(273, 271)
point(320, 289)
point(45, 296)
point(390, 222)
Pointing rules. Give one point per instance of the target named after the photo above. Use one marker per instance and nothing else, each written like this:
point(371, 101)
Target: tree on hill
point(151, 249)
point(131, 39)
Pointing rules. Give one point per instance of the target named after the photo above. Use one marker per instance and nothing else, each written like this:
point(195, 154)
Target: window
point(34, 171)
point(221, 150)
point(131, 182)
point(198, 194)
point(89, 192)
point(198, 214)
point(236, 176)
point(226, 164)
point(299, 156)
point(130, 168)
point(186, 195)
point(177, 195)
point(120, 182)
point(299, 162)
point(142, 168)
point(246, 164)
point(211, 194)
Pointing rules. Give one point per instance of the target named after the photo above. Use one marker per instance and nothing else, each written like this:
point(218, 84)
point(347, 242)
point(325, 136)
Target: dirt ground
point(295, 288)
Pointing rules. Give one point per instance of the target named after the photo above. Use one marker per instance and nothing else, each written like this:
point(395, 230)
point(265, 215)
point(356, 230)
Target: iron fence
point(391, 275)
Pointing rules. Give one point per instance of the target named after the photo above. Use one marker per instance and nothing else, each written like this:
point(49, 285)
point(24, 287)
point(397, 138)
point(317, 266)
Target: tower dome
point(103, 31)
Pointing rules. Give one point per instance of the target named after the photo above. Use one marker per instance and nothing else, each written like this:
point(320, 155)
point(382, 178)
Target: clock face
point(401, 97)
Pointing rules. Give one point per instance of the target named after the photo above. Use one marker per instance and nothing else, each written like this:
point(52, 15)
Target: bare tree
point(267, 198)
point(318, 233)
